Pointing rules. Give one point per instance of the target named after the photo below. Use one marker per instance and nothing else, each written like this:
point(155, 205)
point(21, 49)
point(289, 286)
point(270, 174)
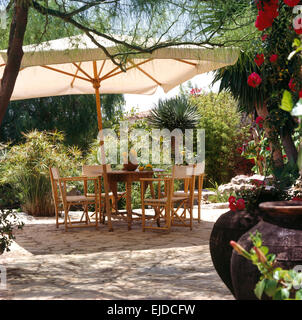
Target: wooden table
point(128, 177)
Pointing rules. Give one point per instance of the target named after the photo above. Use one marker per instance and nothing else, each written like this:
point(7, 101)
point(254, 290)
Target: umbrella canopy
point(75, 65)
point(165, 67)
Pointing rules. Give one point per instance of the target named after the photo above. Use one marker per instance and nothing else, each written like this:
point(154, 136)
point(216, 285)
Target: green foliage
point(258, 194)
point(8, 222)
point(26, 168)
point(286, 176)
point(276, 283)
point(218, 197)
point(234, 80)
point(76, 116)
point(224, 134)
point(174, 113)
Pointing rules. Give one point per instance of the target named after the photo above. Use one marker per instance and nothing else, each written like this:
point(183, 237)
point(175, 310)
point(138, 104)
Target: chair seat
point(165, 199)
point(77, 199)
point(182, 193)
point(103, 194)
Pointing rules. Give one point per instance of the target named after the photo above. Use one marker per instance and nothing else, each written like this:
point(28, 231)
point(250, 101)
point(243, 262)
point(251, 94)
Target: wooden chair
point(63, 202)
point(199, 173)
point(173, 210)
point(96, 171)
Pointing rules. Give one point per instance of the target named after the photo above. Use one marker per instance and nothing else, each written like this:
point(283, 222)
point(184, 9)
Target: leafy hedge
point(224, 134)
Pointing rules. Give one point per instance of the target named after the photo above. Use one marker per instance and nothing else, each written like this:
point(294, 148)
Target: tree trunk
point(273, 142)
point(289, 146)
point(14, 54)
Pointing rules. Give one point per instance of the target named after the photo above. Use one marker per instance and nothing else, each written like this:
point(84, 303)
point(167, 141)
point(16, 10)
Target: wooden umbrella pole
point(96, 85)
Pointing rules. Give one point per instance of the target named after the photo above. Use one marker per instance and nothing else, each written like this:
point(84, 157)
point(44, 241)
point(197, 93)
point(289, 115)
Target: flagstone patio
point(49, 263)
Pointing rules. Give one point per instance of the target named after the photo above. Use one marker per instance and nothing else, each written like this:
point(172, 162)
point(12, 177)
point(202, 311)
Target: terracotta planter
point(281, 229)
point(230, 226)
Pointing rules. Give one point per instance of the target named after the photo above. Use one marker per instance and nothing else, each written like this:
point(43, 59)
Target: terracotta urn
point(281, 229)
point(230, 226)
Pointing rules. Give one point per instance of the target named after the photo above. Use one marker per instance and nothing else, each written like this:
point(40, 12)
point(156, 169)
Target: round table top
point(129, 172)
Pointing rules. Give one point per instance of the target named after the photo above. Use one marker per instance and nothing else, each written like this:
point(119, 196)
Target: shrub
point(25, 168)
point(8, 221)
point(224, 134)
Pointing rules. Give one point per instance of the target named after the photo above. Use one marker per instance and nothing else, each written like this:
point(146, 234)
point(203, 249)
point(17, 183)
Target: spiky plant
point(174, 113)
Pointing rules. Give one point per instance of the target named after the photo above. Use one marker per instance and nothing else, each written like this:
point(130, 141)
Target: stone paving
point(49, 263)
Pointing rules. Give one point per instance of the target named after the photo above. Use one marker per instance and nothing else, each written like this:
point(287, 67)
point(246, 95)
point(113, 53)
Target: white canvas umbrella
point(76, 65)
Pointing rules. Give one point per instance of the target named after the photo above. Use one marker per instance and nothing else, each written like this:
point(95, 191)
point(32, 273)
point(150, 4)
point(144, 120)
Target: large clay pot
point(281, 229)
point(230, 226)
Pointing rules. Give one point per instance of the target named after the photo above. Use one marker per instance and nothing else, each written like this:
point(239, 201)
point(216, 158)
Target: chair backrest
point(95, 170)
point(54, 179)
point(186, 173)
point(199, 168)
point(182, 172)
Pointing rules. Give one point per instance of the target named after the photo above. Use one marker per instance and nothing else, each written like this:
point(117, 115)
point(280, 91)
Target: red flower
point(300, 94)
point(292, 85)
point(254, 80)
point(232, 206)
point(273, 58)
point(259, 59)
point(268, 148)
point(259, 121)
point(267, 12)
point(232, 199)
point(258, 183)
point(264, 37)
point(296, 199)
point(284, 156)
point(240, 205)
point(291, 3)
point(195, 91)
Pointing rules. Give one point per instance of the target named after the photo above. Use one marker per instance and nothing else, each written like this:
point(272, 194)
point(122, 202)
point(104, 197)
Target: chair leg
point(168, 217)
point(143, 206)
point(96, 214)
point(199, 198)
point(57, 216)
point(65, 219)
point(143, 217)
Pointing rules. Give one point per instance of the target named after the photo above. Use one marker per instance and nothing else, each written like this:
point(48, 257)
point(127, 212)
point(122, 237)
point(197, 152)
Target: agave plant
point(177, 112)
point(174, 113)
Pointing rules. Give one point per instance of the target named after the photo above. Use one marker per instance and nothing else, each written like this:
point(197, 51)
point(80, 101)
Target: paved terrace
point(49, 263)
